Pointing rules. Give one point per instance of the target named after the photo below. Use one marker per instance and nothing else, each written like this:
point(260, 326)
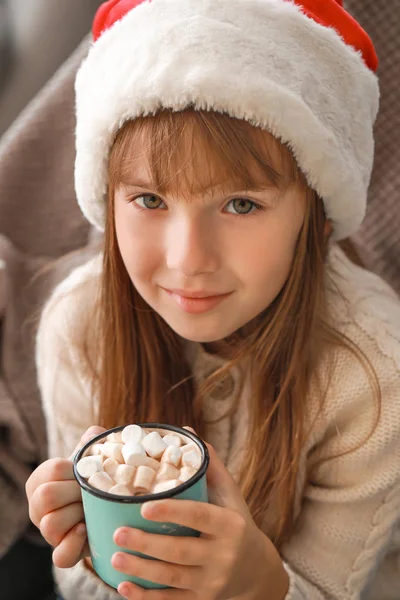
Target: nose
point(191, 247)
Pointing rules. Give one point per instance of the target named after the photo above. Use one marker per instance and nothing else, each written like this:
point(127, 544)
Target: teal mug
point(105, 512)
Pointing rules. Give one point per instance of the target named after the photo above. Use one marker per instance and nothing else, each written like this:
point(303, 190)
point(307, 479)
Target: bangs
point(191, 152)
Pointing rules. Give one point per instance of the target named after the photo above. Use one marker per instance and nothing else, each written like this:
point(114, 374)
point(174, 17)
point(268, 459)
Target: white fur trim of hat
point(265, 61)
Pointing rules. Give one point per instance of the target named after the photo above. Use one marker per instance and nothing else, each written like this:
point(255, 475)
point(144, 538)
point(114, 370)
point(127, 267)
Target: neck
point(229, 347)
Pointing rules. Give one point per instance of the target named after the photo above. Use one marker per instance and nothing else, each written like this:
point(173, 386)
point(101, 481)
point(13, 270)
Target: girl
point(224, 147)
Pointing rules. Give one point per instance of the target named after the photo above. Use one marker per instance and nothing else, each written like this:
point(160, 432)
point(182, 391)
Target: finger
point(189, 429)
point(54, 469)
point(222, 488)
point(57, 469)
point(206, 518)
point(188, 551)
point(72, 548)
point(87, 436)
point(56, 524)
point(134, 592)
point(163, 573)
point(51, 496)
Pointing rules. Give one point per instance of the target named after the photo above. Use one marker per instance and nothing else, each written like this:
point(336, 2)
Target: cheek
point(267, 257)
point(139, 249)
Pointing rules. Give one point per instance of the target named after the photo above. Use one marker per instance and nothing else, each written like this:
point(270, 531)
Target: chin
point(201, 334)
point(200, 338)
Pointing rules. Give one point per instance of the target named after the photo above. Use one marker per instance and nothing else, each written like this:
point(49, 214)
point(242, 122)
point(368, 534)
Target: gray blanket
point(40, 223)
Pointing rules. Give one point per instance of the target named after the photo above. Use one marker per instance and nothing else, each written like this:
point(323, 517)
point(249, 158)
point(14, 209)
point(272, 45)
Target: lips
point(198, 301)
point(195, 294)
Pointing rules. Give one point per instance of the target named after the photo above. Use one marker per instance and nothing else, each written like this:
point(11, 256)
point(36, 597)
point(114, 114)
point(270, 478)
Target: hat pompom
point(109, 13)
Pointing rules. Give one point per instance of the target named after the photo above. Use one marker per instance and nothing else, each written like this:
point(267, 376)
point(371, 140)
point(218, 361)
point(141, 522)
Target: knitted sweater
point(346, 543)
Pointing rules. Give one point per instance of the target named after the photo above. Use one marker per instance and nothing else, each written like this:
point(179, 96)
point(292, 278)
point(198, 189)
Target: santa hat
point(302, 69)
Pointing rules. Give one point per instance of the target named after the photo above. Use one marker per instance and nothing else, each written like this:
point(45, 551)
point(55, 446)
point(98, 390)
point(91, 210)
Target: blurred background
point(36, 37)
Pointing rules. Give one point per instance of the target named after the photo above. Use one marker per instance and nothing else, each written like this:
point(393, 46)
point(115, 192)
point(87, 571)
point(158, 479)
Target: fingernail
point(92, 432)
point(121, 537)
point(146, 509)
point(189, 428)
point(118, 560)
point(81, 529)
point(123, 589)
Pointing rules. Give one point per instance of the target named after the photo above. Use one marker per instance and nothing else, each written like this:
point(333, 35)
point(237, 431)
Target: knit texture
point(346, 535)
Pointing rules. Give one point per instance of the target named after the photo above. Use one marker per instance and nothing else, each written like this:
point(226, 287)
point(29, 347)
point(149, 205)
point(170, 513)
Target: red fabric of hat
point(110, 12)
point(329, 13)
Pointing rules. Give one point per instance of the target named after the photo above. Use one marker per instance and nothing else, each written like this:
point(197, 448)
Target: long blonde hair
point(144, 376)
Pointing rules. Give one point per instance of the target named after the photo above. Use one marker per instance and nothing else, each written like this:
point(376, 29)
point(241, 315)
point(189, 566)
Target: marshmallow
point(112, 450)
point(132, 434)
point(167, 471)
point(140, 461)
point(188, 447)
point(120, 490)
point(154, 444)
point(172, 455)
point(89, 465)
point(164, 486)
point(145, 461)
point(96, 450)
point(124, 475)
point(115, 437)
point(172, 440)
point(192, 459)
point(143, 479)
point(131, 451)
point(110, 466)
point(101, 481)
point(186, 473)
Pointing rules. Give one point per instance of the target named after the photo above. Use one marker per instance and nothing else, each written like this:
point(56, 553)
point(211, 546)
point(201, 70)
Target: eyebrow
point(138, 183)
point(150, 185)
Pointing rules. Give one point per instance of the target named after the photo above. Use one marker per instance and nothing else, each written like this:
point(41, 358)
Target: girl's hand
point(232, 557)
point(55, 506)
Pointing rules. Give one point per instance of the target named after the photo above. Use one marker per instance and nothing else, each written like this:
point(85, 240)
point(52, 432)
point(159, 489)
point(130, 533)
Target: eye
point(242, 206)
point(148, 202)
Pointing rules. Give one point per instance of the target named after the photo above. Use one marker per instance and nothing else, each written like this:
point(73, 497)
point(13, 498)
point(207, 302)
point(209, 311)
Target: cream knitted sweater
point(346, 545)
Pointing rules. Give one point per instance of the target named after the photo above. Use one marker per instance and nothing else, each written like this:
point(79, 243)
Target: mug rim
point(145, 497)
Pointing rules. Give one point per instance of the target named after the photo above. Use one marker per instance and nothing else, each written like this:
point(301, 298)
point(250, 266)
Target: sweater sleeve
point(68, 409)
point(351, 504)
point(65, 393)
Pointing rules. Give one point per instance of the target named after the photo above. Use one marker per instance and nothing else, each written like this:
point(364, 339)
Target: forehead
point(141, 181)
point(191, 156)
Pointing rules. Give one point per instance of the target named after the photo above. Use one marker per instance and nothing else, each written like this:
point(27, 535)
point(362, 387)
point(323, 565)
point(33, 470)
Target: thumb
point(87, 436)
point(222, 488)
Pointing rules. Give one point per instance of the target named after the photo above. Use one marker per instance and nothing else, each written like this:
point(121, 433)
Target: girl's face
point(208, 265)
